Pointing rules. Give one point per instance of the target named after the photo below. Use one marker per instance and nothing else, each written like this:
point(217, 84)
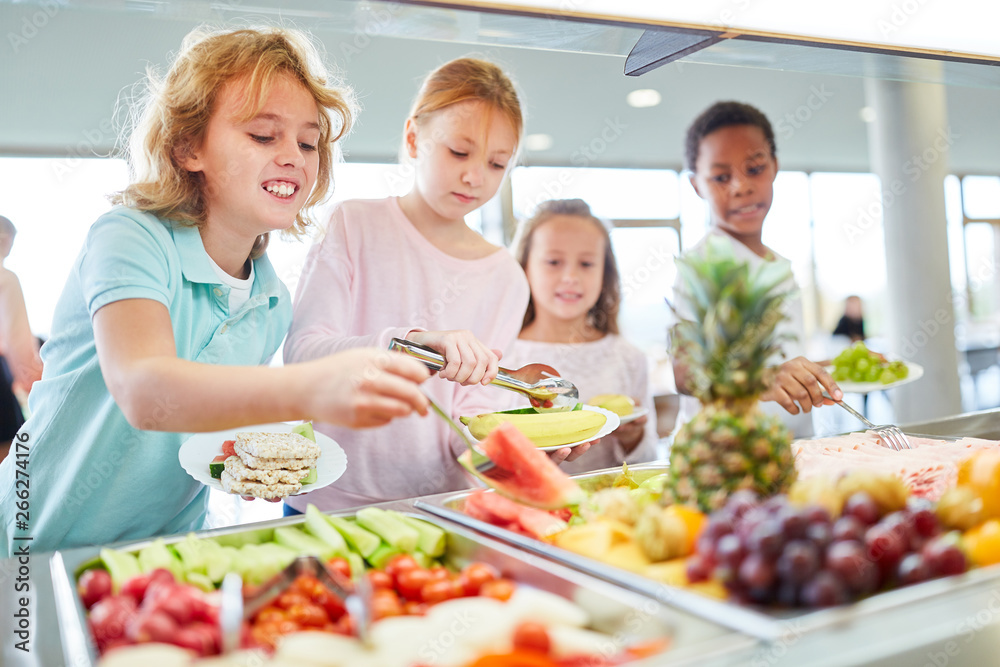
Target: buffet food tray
point(912, 609)
point(620, 613)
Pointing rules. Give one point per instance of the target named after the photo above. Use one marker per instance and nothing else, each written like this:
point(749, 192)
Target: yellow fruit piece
point(545, 429)
point(672, 572)
point(620, 404)
point(693, 520)
point(593, 540)
point(627, 556)
point(981, 473)
point(982, 544)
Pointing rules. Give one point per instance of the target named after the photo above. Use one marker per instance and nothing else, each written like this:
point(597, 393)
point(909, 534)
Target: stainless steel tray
point(916, 608)
point(618, 612)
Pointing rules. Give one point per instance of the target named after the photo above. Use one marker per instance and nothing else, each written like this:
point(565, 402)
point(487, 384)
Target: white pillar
point(908, 146)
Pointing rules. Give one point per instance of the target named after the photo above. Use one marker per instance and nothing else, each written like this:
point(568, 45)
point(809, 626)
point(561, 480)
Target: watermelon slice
point(502, 512)
point(530, 475)
point(229, 448)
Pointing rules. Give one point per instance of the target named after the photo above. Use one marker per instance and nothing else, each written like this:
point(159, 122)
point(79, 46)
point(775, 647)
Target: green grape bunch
point(859, 364)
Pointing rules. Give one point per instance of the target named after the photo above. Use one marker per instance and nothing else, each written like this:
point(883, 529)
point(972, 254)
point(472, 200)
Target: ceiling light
point(643, 98)
point(867, 114)
point(538, 142)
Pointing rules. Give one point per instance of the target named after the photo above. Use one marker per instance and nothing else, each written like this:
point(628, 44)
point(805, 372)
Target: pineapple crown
point(728, 344)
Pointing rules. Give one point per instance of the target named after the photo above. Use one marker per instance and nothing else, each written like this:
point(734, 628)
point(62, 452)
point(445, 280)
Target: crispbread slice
point(277, 445)
point(238, 470)
point(256, 489)
point(258, 463)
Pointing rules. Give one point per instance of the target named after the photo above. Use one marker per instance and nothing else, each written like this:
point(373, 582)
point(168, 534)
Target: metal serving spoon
point(546, 391)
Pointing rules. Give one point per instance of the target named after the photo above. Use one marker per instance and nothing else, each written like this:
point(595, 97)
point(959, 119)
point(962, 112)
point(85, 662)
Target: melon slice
point(502, 512)
point(527, 474)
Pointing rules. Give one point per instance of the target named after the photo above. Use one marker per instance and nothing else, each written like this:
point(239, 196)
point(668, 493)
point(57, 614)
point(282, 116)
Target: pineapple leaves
point(736, 310)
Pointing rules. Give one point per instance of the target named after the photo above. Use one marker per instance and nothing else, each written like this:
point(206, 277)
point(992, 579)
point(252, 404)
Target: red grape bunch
point(774, 552)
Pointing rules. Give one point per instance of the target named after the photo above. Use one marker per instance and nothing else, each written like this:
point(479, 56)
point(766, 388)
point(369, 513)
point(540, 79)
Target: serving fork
point(891, 436)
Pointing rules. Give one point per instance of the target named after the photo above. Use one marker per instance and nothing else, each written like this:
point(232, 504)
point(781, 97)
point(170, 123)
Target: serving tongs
point(482, 466)
point(237, 606)
point(546, 391)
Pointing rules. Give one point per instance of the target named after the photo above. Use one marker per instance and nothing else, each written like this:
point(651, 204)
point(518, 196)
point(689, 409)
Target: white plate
point(636, 413)
point(610, 425)
point(199, 450)
point(916, 372)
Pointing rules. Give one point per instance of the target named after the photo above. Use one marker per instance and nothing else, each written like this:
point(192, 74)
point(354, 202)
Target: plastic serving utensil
point(546, 391)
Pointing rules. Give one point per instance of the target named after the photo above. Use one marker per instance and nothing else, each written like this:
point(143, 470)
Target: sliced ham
point(929, 469)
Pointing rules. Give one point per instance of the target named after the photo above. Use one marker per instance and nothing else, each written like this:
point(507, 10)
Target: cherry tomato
point(499, 589)
point(340, 566)
point(270, 614)
point(289, 599)
point(345, 625)
point(439, 573)
point(438, 590)
point(385, 603)
point(308, 615)
point(331, 604)
point(475, 575)
point(379, 579)
point(399, 564)
point(413, 608)
point(265, 634)
point(532, 636)
point(308, 586)
point(288, 627)
point(411, 582)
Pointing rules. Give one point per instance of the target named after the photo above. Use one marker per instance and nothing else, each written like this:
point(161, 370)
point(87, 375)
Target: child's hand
point(571, 453)
point(800, 382)
point(629, 435)
point(467, 359)
point(365, 387)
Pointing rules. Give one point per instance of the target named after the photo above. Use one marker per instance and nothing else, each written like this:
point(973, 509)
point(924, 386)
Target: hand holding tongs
point(540, 383)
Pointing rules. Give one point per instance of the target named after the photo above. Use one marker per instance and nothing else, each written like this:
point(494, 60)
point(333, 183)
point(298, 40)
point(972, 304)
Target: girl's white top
point(610, 365)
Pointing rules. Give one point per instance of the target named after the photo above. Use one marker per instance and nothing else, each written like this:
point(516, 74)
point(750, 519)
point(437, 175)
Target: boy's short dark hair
point(720, 115)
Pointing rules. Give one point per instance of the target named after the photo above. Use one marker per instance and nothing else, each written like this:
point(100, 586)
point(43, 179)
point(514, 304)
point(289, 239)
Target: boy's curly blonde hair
point(175, 112)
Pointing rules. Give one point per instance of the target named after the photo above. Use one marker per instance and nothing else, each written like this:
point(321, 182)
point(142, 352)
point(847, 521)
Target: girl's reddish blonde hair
point(603, 316)
point(175, 112)
point(469, 79)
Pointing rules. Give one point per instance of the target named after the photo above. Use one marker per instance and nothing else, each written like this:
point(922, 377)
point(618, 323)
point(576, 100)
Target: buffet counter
point(953, 621)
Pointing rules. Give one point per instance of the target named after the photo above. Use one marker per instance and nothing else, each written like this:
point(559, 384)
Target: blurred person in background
point(852, 324)
point(20, 363)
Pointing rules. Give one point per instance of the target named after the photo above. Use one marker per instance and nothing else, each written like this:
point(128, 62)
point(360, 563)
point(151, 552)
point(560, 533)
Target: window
point(53, 202)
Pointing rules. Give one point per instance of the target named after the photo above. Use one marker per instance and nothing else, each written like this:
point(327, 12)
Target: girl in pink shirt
point(410, 267)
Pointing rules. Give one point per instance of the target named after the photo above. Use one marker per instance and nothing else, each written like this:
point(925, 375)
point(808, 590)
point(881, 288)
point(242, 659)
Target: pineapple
point(730, 444)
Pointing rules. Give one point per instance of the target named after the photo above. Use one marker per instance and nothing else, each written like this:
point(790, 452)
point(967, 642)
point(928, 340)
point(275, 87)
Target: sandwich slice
point(257, 489)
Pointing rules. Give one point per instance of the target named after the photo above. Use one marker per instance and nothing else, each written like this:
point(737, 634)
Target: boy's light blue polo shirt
point(92, 478)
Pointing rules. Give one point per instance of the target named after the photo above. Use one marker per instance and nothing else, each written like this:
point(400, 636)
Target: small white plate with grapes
point(858, 370)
